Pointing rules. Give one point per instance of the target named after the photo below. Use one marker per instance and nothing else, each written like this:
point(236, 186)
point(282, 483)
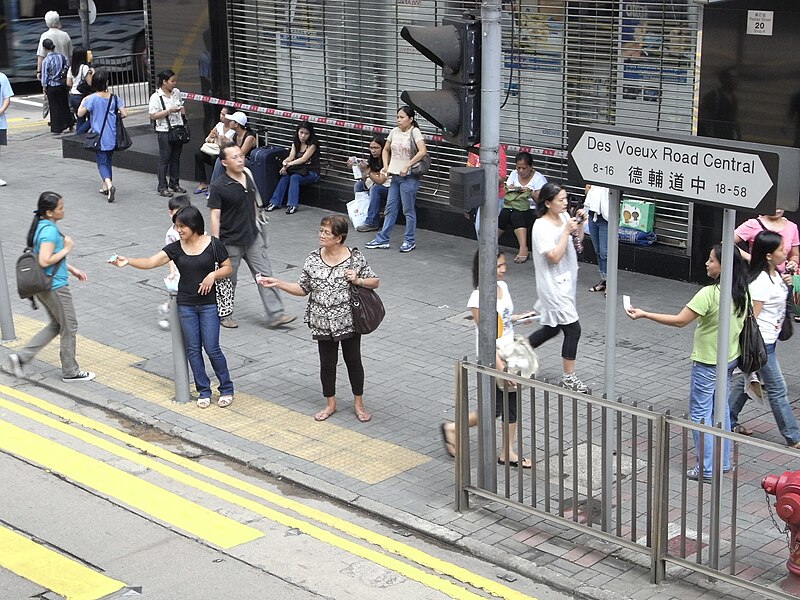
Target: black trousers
point(329, 358)
point(60, 113)
point(169, 161)
point(201, 159)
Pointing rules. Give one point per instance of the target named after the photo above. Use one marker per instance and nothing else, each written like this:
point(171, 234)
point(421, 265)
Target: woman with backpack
point(53, 77)
point(52, 248)
point(103, 107)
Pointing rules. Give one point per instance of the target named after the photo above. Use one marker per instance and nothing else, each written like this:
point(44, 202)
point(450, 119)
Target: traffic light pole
point(491, 57)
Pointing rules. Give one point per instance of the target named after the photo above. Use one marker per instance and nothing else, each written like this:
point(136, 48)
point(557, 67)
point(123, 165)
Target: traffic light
point(456, 47)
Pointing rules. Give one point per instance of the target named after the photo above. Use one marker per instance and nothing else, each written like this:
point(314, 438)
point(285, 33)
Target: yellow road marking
point(147, 497)
point(250, 417)
point(51, 570)
point(417, 556)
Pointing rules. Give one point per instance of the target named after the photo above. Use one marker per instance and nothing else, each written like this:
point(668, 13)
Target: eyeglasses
point(325, 233)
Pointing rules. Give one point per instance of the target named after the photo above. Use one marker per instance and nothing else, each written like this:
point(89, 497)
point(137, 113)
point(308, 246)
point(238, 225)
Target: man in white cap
point(60, 38)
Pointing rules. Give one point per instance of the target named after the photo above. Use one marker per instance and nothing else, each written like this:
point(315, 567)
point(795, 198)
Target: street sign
point(728, 173)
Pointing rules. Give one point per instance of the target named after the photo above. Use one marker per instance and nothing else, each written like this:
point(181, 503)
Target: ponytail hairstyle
point(47, 201)
point(164, 76)
point(739, 283)
point(766, 242)
point(411, 114)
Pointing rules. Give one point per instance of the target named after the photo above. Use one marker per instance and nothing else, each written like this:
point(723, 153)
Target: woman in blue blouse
point(102, 107)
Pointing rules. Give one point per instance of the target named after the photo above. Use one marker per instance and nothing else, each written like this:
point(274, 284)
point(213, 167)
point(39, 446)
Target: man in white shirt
point(61, 39)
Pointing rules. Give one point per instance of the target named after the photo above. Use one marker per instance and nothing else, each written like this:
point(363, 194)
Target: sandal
point(324, 414)
point(363, 416)
point(526, 463)
point(203, 402)
point(599, 287)
point(224, 401)
point(521, 258)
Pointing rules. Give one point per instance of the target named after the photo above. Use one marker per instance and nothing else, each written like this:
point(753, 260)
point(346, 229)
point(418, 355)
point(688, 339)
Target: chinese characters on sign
point(669, 168)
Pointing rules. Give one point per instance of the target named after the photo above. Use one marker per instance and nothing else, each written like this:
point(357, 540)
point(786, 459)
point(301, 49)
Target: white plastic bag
point(357, 208)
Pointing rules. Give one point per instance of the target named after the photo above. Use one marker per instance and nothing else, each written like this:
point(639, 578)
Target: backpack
point(31, 278)
point(62, 74)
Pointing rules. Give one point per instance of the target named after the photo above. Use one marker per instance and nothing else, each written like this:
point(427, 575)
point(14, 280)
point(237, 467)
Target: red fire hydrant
point(786, 489)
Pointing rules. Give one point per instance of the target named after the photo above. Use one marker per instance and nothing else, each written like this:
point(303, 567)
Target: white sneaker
point(81, 376)
point(3, 182)
point(163, 324)
point(571, 382)
point(16, 365)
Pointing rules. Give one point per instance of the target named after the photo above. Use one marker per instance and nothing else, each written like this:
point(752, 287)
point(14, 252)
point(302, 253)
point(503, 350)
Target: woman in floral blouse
point(326, 278)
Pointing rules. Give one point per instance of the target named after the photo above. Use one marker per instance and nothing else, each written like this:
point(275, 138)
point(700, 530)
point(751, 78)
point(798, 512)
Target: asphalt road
point(94, 507)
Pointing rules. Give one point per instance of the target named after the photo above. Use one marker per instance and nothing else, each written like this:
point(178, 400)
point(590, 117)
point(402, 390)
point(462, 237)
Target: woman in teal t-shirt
point(52, 248)
point(705, 308)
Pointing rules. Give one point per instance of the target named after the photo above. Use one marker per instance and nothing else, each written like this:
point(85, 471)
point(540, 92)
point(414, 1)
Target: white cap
point(239, 117)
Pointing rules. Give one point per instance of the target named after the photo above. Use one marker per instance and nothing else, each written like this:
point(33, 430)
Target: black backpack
point(31, 278)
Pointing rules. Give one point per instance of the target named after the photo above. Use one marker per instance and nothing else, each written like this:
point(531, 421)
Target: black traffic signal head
point(454, 109)
point(456, 47)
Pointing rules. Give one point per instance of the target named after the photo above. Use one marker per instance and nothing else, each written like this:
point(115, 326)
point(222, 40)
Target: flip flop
point(449, 446)
point(363, 416)
point(515, 463)
point(519, 258)
point(324, 414)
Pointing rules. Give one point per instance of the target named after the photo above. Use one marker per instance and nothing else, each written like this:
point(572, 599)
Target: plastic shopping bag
point(357, 209)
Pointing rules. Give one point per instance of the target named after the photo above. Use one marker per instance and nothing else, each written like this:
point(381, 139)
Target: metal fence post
point(6, 316)
point(462, 474)
point(180, 362)
point(658, 525)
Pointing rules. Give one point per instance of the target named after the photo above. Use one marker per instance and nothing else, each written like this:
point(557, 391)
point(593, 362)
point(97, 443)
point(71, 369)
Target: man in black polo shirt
point(232, 201)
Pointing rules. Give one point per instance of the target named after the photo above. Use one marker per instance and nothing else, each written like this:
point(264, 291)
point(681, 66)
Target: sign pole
point(612, 266)
point(721, 414)
point(487, 289)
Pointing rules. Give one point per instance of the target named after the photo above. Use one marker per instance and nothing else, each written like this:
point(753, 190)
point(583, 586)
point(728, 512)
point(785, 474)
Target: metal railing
point(128, 77)
point(658, 514)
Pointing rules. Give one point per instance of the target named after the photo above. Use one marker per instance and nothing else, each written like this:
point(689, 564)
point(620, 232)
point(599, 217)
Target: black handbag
point(301, 170)
point(752, 351)
point(176, 134)
point(419, 169)
point(84, 89)
point(92, 140)
point(368, 309)
point(787, 329)
point(124, 140)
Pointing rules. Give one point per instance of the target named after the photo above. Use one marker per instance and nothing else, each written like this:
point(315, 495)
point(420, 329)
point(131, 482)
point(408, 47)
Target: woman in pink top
point(747, 232)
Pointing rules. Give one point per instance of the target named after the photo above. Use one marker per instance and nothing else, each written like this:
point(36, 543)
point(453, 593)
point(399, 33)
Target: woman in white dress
point(556, 264)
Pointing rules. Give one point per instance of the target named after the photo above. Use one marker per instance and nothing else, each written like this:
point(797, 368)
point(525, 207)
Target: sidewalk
point(395, 465)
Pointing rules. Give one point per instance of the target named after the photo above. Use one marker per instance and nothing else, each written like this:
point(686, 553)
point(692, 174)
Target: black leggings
point(499, 404)
point(329, 358)
point(572, 333)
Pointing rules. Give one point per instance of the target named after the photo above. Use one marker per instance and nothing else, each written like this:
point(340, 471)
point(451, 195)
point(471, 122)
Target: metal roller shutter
point(565, 62)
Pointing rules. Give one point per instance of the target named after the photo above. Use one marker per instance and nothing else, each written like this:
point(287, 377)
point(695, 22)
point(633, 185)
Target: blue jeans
point(478, 216)
point(292, 183)
point(104, 160)
point(82, 124)
point(403, 190)
point(200, 327)
point(775, 387)
point(377, 196)
point(216, 171)
point(703, 381)
point(598, 230)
